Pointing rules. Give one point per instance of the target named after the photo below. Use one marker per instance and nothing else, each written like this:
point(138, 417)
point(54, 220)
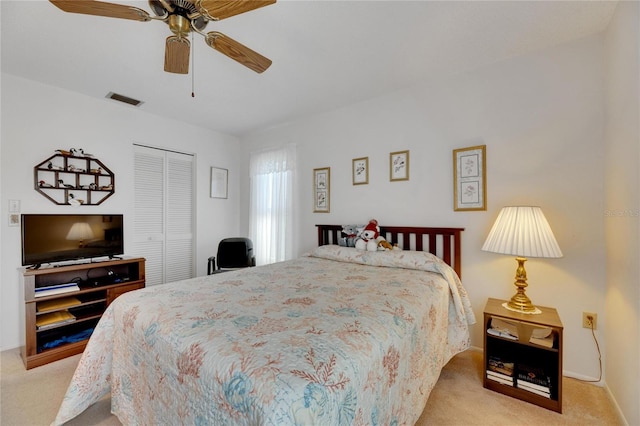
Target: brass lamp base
point(520, 302)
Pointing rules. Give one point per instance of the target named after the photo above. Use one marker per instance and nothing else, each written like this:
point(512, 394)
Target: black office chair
point(233, 253)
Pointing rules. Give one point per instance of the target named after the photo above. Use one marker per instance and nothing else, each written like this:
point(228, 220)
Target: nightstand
point(523, 354)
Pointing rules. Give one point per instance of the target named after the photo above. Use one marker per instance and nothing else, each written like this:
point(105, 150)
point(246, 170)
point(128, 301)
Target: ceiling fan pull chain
point(193, 68)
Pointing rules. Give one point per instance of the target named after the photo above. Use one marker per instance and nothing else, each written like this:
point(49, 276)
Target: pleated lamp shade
point(80, 231)
point(522, 231)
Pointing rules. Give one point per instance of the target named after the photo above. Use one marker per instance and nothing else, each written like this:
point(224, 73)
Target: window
point(271, 205)
point(164, 205)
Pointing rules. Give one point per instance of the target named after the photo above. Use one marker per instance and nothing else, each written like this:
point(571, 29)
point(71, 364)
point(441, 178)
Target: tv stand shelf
point(62, 339)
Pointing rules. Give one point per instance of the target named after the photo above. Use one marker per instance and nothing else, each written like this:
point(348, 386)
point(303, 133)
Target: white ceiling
point(325, 54)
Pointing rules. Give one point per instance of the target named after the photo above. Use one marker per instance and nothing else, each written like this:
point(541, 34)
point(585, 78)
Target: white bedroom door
point(164, 213)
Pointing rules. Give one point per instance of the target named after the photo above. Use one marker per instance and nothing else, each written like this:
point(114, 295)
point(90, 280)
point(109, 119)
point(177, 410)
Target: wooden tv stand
point(99, 282)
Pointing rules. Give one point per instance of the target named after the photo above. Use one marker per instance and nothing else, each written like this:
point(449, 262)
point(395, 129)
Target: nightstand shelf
point(523, 354)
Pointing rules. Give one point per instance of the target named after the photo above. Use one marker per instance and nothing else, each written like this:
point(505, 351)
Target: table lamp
point(80, 231)
point(522, 231)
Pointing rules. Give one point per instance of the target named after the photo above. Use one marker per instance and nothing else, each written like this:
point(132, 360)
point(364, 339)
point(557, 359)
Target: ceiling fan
point(183, 16)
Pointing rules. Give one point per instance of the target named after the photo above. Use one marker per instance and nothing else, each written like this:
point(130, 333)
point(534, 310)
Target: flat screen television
point(48, 238)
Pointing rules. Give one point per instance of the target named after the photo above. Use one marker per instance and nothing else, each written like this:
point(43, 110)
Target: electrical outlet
point(589, 320)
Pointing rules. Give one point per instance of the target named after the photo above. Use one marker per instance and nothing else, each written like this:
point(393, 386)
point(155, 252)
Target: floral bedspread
point(337, 337)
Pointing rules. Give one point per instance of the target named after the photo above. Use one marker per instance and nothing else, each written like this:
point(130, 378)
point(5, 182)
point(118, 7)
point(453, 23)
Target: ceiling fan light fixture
point(179, 25)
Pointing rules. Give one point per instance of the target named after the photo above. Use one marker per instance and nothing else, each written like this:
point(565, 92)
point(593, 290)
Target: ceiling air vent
point(125, 99)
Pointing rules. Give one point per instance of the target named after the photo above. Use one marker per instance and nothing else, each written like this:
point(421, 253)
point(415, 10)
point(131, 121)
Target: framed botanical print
point(321, 189)
point(360, 170)
point(469, 179)
point(219, 182)
point(399, 165)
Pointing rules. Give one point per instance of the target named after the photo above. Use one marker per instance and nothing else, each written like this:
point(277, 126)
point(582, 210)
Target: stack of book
point(500, 371)
point(533, 380)
point(51, 290)
point(54, 319)
point(60, 303)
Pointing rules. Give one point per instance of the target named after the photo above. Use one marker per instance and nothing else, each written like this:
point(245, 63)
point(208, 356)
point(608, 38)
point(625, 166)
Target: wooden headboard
point(442, 242)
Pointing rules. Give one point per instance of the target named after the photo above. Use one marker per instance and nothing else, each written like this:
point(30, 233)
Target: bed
point(337, 336)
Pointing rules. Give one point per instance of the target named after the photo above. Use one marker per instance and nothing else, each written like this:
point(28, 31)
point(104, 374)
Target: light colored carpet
point(32, 398)
point(459, 399)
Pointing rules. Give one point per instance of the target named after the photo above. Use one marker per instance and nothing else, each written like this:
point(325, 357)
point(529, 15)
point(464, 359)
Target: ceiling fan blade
point(221, 9)
point(99, 8)
point(176, 55)
point(238, 52)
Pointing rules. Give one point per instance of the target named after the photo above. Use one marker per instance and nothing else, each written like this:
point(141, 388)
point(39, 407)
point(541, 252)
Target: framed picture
point(219, 182)
point(360, 170)
point(399, 165)
point(321, 189)
point(469, 179)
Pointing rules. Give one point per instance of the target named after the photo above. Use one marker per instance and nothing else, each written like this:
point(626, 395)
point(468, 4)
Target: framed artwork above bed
point(469, 179)
point(399, 166)
point(360, 170)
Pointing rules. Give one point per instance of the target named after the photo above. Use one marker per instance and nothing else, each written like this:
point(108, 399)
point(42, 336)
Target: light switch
point(14, 206)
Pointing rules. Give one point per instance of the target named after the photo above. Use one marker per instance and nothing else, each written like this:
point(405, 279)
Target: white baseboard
point(621, 417)
point(583, 378)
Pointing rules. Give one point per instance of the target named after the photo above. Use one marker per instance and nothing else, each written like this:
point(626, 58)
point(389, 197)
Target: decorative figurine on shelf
point(66, 185)
point(43, 184)
point(63, 152)
point(107, 187)
point(79, 152)
point(93, 186)
point(50, 165)
point(75, 201)
point(71, 168)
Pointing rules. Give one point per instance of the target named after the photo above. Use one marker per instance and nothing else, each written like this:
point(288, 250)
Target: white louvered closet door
point(164, 205)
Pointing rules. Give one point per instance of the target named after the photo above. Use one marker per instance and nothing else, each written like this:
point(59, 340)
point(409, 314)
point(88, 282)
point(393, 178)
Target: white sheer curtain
point(271, 207)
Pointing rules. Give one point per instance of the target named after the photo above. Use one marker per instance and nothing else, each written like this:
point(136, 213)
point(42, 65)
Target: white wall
point(38, 119)
point(541, 117)
point(622, 224)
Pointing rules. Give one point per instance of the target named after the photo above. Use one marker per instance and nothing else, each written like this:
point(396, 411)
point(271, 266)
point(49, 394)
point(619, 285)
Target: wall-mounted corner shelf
point(68, 179)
